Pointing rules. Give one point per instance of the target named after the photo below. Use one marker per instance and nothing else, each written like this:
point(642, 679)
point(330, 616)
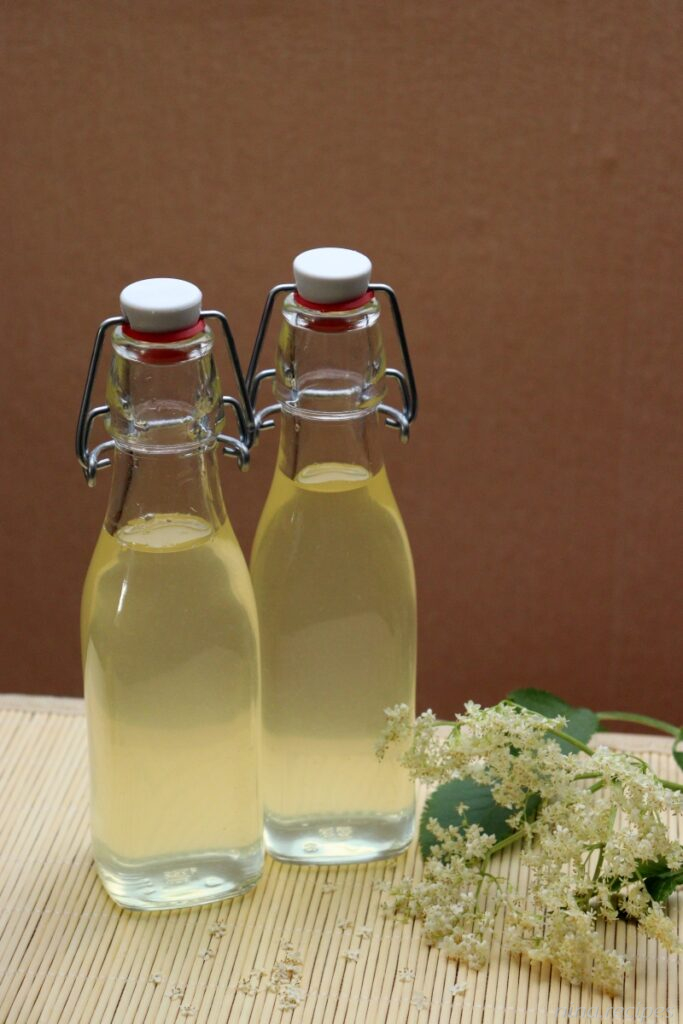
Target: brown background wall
point(514, 169)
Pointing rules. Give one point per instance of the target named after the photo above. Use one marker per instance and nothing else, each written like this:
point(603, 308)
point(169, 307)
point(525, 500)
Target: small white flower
point(398, 725)
point(405, 974)
point(351, 954)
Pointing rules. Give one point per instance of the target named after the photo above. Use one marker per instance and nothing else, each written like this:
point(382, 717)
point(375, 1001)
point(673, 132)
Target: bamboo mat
point(68, 954)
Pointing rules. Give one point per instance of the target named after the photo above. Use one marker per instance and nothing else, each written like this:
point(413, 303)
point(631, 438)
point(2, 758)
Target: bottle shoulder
point(179, 562)
point(334, 508)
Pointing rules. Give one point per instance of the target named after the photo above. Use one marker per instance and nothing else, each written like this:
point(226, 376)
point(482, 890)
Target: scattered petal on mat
point(285, 977)
point(291, 996)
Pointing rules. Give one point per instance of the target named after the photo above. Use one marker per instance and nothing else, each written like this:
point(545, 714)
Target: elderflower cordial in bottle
point(332, 572)
point(168, 624)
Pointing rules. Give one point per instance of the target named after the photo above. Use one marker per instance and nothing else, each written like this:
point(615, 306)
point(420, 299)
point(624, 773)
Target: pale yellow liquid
point(334, 586)
point(170, 661)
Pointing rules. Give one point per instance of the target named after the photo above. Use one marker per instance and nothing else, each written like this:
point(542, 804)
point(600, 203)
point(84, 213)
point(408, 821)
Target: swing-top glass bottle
point(333, 574)
point(169, 631)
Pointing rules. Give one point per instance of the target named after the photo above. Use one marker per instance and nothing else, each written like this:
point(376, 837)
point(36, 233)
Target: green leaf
point(660, 880)
point(660, 887)
point(678, 754)
point(582, 723)
point(482, 810)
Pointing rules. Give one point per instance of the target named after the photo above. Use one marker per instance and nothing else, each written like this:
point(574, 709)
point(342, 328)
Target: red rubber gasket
point(157, 353)
point(335, 307)
point(156, 337)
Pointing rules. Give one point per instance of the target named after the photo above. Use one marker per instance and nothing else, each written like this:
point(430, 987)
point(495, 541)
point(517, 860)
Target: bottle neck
point(165, 412)
point(329, 381)
point(175, 484)
point(307, 442)
point(162, 396)
point(330, 364)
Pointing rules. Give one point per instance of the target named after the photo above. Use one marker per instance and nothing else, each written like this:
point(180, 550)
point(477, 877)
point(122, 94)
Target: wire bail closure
point(92, 460)
point(399, 419)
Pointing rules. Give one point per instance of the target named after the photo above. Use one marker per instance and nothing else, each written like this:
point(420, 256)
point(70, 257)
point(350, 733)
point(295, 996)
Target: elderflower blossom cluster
point(593, 822)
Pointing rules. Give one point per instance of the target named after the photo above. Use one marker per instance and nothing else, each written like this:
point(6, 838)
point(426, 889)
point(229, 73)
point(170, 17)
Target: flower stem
point(676, 786)
point(572, 740)
point(601, 855)
point(630, 716)
point(514, 837)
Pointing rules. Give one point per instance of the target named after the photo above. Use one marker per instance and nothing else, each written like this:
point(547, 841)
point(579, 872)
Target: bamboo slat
point(68, 955)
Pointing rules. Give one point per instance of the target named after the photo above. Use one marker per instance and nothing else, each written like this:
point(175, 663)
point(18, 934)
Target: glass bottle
point(168, 624)
point(333, 578)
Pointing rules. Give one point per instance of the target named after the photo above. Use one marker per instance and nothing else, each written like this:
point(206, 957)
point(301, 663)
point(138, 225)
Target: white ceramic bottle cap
point(161, 304)
point(331, 276)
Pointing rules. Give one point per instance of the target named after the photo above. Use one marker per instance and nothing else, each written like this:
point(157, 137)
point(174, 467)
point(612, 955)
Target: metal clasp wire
point(400, 419)
point(97, 458)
